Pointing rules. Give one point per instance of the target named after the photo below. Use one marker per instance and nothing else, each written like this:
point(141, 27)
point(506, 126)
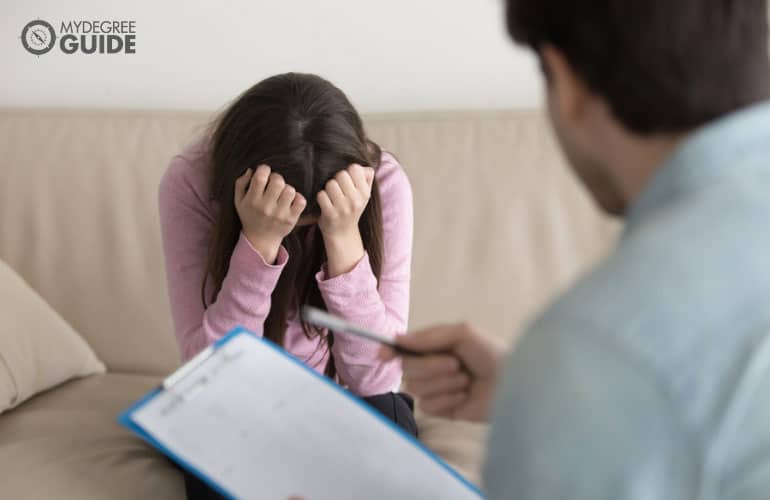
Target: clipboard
point(188, 389)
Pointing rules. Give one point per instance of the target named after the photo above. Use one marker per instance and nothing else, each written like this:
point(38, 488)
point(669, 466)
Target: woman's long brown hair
point(307, 130)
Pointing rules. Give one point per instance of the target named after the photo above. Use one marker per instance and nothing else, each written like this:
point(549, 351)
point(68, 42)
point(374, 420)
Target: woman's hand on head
point(268, 208)
point(343, 200)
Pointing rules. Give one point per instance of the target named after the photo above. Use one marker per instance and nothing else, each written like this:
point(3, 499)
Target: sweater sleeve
point(186, 221)
point(356, 296)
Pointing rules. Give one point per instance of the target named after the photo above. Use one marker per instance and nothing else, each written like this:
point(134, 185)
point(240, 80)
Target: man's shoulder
point(683, 256)
point(683, 298)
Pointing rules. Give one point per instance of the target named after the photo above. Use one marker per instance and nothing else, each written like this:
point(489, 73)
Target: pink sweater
point(186, 217)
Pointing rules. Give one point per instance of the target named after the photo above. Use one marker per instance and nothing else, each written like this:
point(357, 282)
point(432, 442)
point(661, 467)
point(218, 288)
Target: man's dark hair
point(663, 65)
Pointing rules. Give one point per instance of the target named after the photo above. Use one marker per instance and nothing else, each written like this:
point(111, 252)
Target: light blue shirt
point(650, 378)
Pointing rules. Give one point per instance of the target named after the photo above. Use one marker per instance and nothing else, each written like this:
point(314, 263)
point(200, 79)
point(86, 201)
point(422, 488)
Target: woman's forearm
point(343, 252)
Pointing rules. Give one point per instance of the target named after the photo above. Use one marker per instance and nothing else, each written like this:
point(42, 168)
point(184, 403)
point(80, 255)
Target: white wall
point(387, 55)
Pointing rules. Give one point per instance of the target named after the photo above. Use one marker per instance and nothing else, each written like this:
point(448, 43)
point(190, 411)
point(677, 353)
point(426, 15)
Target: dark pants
point(397, 407)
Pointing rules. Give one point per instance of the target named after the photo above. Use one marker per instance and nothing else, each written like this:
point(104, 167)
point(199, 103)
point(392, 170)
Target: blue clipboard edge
point(125, 420)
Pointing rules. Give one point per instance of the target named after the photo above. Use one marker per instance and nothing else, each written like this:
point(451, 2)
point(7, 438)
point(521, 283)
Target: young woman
point(287, 202)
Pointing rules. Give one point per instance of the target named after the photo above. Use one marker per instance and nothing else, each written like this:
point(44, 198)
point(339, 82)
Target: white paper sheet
point(262, 426)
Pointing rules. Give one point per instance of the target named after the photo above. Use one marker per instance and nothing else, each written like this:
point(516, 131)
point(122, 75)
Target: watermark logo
point(38, 37)
point(80, 37)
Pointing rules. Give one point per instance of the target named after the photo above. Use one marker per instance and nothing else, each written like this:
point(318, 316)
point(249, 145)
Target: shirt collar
point(719, 149)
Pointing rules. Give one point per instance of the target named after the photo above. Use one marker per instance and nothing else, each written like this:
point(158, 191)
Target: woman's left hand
point(342, 202)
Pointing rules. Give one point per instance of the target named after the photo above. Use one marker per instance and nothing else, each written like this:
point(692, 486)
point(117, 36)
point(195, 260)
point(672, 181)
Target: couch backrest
point(500, 223)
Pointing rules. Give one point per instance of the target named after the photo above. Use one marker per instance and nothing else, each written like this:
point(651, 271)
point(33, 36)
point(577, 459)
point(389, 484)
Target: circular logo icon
point(38, 37)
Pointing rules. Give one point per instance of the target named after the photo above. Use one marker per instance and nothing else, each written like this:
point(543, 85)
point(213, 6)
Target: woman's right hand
point(268, 208)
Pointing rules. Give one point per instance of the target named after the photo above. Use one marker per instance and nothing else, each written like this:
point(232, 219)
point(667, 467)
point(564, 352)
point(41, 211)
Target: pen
point(323, 319)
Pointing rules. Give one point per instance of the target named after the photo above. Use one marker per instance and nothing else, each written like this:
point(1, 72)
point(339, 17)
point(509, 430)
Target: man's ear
point(568, 93)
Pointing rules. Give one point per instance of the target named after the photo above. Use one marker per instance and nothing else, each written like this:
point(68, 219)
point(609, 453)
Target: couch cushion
point(38, 349)
point(78, 220)
point(66, 444)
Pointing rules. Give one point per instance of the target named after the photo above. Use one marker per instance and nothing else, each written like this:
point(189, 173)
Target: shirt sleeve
point(244, 299)
point(579, 418)
point(356, 296)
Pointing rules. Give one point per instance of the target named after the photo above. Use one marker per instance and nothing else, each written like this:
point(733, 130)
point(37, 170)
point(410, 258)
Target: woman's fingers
point(274, 188)
point(346, 183)
point(269, 193)
point(285, 199)
point(362, 177)
point(356, 173)
point(369, 176)
point(240, 186)
point(258, 182)
point(325, 203)
point(334, 192)
point(298, 204)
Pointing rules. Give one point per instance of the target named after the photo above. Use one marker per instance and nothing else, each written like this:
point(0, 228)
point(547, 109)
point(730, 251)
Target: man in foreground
point(650, 378)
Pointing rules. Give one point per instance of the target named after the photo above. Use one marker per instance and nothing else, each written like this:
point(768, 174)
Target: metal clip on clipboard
point(172, 382)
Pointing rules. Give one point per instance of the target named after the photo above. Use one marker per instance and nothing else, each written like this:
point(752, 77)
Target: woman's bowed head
point(288, 156)
point(270, 208)
point(283, 203)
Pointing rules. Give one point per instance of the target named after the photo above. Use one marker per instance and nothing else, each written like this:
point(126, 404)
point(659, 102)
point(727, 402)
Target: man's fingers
point(428, 367)
point(437, 338)
point(385, 353)
point(240, 185)
point(443, 405)
point(434, 387)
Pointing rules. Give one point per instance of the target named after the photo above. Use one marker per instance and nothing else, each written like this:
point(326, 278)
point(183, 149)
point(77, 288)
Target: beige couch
point(500, 226)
